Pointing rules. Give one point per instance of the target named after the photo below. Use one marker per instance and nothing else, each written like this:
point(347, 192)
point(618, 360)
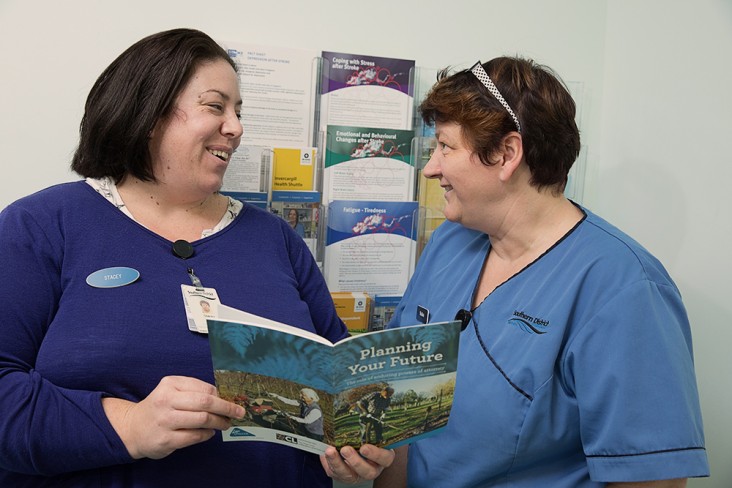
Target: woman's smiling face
point(191, 147)
point(466, 180)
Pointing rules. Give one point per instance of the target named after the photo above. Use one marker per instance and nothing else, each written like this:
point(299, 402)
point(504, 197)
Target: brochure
point(387, 388)
point(247, 175)
point(367, 90)
point(370, 246)
point(363, 163)
point(278, 87)
point(294, 169)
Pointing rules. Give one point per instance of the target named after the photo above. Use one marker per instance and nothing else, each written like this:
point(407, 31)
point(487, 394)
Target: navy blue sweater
point(64, 344)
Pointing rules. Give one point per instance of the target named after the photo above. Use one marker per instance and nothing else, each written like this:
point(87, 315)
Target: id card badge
point(201, 304)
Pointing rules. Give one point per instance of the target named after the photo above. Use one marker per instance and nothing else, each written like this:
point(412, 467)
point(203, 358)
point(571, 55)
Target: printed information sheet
point(278, 90)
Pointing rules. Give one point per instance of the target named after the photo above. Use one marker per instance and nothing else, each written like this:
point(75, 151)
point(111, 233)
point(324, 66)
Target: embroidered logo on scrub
point(529, 324)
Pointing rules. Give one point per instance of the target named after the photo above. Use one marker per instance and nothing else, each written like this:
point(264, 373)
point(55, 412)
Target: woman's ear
point(512, 153)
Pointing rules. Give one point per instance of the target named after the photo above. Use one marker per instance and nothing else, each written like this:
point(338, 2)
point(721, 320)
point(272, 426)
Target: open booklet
point(388, 387)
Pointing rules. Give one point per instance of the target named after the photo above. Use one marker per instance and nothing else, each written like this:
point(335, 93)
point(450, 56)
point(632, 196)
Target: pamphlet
point(294, 169)
point(387, 388)
point(277, 86)
point(247, 175)
point(354, 309)
point(367, 90)
point(363, 163)
point(370, 246)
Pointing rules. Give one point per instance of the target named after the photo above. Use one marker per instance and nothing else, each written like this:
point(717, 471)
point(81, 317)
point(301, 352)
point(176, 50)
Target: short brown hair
point(537, 96)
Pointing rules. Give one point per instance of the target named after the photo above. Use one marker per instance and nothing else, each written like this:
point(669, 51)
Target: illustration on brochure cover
point(346, 70)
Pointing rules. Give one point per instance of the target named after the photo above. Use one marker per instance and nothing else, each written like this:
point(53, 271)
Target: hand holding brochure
point(387, 388)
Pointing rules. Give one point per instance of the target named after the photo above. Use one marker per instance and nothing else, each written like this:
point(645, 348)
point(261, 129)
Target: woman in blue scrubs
point(576, 365)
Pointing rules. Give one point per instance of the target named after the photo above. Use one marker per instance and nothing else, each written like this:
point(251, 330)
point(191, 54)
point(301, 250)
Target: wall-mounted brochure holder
point(423, 81)
point(430, 195)
point(301, 99)
point(575, 189)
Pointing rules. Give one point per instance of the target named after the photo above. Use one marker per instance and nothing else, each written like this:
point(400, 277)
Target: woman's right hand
point(179, 412)
point(350, 466)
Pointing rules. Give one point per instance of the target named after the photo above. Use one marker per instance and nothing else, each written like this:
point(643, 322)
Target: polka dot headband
point(480, 73)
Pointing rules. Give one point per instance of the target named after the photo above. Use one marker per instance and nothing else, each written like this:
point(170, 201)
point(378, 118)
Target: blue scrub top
point(576, 371)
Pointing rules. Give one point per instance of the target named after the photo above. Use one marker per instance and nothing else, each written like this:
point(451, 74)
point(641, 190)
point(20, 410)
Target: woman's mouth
point(222, 155)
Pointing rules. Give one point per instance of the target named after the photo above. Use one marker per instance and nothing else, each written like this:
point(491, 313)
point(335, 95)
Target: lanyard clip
point(194, 279)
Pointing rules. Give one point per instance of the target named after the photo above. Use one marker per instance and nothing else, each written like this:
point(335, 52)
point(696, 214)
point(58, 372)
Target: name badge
point(112, 277)
point(201, 305)
point(423, 315)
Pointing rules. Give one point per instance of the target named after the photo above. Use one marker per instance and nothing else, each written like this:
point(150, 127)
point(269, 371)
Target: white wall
point(656, 109)
point(51, 52)
point(664, 171)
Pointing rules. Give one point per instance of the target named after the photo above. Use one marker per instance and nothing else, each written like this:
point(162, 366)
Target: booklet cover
point(294, 169)
point(363, 163)
point(387, 388)
point(370, 246)
point(367, 90)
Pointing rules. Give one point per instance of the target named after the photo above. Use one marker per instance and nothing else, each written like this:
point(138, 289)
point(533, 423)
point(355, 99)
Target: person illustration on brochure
point(310, 420)
point(372, 412)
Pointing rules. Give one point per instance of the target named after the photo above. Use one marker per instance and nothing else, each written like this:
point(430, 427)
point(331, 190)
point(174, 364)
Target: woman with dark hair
point(101, 381)
point(576, 365)
point(293, 218)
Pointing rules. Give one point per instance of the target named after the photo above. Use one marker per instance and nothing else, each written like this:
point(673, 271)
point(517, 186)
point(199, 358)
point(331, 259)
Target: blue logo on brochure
point(237, 432)
point(112, 277)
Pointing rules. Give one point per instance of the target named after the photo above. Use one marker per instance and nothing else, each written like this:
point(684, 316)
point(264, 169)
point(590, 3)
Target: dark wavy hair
point(538, 97)
point(137, 90)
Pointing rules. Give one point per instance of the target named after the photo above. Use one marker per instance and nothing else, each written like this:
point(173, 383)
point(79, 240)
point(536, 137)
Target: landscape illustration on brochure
point(387, 387)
